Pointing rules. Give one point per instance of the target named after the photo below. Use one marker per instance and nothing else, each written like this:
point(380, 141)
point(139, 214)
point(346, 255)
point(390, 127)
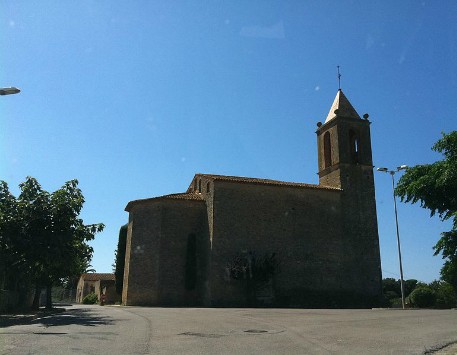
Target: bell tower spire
point(344, 145)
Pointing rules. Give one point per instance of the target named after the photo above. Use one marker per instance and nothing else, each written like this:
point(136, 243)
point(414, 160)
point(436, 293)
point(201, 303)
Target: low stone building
point(238, 241)
point(98, 283)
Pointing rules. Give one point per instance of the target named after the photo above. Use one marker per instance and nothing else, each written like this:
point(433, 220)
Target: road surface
point(83, 329)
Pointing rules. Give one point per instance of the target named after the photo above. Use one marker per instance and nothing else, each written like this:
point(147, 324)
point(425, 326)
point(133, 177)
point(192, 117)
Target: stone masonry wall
point(180, 219)
point(156, 252)
point(142, 257)
point(301, 225)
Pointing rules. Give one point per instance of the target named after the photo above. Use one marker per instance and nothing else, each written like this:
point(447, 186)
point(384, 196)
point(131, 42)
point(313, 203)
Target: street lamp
point(9, 91)
point(392, 173)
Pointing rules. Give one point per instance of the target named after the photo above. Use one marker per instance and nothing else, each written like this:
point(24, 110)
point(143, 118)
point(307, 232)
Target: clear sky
point(133, 98)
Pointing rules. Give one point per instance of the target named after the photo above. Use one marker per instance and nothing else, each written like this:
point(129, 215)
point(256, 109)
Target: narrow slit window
point(327, 150)
point(191, 262)
point(354, 146)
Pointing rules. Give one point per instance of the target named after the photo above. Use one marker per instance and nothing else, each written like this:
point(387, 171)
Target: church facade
point(237, 241)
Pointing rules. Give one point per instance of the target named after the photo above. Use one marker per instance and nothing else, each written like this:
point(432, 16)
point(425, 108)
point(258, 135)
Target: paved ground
point(134, 330)
point(448, 350)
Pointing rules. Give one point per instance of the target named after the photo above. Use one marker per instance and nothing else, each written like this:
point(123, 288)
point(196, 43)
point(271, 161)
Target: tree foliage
point(42, 238)
point(391, 289)
point(120, 259)
point(9, 234)
point(391, 286)
point(434, 186)
point(91, 298)
point(445, 295)
point(423, 296)
point(437, 294)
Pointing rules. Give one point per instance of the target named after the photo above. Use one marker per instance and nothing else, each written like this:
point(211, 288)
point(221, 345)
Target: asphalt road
point(134, 330)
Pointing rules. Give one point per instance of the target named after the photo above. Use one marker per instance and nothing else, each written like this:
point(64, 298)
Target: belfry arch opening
point(327, 150)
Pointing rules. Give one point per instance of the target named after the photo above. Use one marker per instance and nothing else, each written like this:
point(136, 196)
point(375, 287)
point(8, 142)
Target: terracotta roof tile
point(189, 195)
point(178, 196)
point(241, 179)
point(184, 196)
point(98, 276)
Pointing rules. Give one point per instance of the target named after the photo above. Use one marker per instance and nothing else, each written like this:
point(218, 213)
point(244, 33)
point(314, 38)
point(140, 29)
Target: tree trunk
point(49, 296)
point(36, 298)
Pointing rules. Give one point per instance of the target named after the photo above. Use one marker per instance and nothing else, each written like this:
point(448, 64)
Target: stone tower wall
point(355, 177)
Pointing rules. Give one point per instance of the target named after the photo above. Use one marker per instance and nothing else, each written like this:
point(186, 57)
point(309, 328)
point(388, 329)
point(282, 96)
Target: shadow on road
point(10, 320)
point(85, 317)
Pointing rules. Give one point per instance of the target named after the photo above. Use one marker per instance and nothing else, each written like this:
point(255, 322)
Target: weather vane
point(339, 77)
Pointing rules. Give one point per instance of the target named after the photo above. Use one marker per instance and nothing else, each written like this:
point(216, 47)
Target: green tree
point(49, 243)
point(91, 298)
point(434, 186)
point(119, 262)
point(35, 243)
point(410, 285)
point(391, 287)
point(423, 296)
point(13, 271)
point(8, 232)
point(445, 295)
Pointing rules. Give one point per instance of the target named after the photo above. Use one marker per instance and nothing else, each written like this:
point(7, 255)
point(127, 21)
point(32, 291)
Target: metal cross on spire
point(339, 77)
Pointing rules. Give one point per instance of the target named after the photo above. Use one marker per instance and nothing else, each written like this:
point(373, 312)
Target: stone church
point(240, 241)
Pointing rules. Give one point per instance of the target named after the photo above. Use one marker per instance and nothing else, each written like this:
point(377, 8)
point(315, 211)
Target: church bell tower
point(345, 162)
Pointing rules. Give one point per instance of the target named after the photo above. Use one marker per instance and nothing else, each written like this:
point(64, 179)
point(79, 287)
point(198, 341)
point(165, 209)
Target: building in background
point(98, 283)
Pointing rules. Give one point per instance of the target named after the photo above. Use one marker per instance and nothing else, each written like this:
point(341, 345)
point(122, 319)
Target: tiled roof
point(183, 196)
point(238, 179)
point(344, 107)
point(98, 276)
point(178, 196)
point(249, 180)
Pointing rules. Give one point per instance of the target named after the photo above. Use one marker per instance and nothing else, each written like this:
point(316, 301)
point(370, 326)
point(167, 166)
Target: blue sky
point(133, 98)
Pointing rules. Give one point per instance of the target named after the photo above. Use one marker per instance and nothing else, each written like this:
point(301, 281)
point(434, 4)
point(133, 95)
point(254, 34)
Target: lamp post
point(9, 91)
point(392, 173)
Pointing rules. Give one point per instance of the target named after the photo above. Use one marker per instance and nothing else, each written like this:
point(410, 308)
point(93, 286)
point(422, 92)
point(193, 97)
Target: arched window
point(207, 187)
point(354, 146)
point(327, 150)
point(200, 185)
